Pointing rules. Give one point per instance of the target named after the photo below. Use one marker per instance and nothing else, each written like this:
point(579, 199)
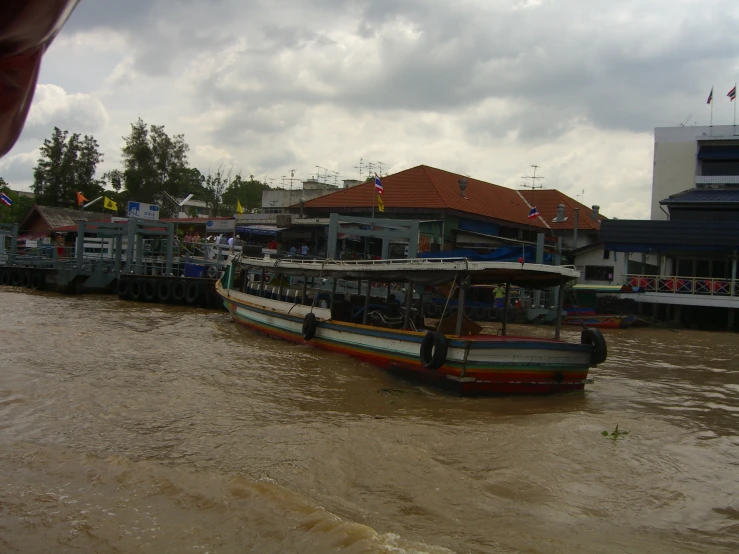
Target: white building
point(276, 201)
point(693, 157)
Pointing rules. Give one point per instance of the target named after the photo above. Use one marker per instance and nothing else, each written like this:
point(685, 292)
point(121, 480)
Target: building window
point(599, 273)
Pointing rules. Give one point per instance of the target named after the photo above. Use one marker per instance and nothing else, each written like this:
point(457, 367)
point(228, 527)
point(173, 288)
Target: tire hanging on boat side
point(26, 280)
point(434, 349)
point(595, 338)
point(309, 326)
point(5, 277)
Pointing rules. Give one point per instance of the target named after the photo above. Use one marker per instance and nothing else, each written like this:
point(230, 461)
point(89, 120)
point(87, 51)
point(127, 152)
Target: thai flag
point(732, 94)
point(5, 199)
point(533, 213)
point(378, 184)
point(710, 97)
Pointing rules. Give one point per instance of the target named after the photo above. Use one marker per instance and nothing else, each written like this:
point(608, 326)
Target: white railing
point(681, 285)
point(716, 179)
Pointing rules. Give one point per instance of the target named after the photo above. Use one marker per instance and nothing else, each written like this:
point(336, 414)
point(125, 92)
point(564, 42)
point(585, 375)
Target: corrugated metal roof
point(65, 217)
point(703, 196)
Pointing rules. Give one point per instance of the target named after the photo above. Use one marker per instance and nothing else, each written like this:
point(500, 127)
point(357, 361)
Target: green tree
point(153, 164)
point(17, 212)
point(248, 193)
point(215, 186)
point(67, 165)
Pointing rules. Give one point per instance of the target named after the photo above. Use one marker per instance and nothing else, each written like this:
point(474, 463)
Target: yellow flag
point(109, 204)
point(380, 204)
point(239, 209)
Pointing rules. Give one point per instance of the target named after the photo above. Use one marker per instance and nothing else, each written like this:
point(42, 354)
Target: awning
point(35, 235)
point(268, 230)
point(725, 152)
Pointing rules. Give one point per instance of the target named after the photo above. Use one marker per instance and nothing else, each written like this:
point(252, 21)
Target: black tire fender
point(37, 281)
point(149, 290)
point(179, 289)
point(136, 288)
point(309, 326)
point(212, 272)
point(493, 314)
point(434, 349)
point(26, 280)
point(479, 313)
point(595, 338)
point(124, 286)
point(192, 295)
point(4, 277)
point(164, 291)
point(15, 278)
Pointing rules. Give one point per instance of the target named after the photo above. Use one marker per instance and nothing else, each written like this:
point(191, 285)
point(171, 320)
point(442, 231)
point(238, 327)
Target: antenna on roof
point(292, 178)
point(360, 167)
point(686, 120)
point(533, 185)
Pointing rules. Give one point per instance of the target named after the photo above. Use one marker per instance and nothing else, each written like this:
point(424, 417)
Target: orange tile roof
point(546, 202)
point(435, 189)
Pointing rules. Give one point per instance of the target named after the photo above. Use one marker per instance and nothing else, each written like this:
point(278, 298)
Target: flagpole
point(734, 101)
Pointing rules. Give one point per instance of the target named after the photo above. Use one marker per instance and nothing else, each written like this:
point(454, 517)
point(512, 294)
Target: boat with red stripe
point(297, 300)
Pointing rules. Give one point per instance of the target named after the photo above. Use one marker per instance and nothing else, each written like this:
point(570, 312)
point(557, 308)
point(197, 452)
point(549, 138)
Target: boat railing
point(681, 285)
point(370, 263)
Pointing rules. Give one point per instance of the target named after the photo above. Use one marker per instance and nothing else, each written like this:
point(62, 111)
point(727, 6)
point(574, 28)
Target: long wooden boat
point(600, 321)
point(451, 351)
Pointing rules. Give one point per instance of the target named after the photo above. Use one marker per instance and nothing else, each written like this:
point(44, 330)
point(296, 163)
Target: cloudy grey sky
point(482, 87)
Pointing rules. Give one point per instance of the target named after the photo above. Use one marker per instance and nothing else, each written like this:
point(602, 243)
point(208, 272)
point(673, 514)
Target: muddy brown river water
point(130, 427)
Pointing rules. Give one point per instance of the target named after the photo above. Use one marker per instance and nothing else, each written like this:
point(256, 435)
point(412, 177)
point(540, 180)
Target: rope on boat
point(448, 298)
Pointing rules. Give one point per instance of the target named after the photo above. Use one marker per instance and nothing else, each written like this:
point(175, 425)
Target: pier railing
point(681, 285)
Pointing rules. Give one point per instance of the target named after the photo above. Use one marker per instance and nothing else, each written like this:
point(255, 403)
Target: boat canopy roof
point(427, 271)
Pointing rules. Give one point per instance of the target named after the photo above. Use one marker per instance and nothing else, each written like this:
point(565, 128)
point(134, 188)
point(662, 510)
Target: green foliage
point(67, 165)
point(154, 163)
point(249, 193)
point(20, 208)
point(615, 434)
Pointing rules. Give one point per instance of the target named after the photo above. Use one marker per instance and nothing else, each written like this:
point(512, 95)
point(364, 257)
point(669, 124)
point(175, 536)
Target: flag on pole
point(109, 204)
point(533, 213)
point(239, 209)
point(378, 185)
point(5, 199)
point(80, 198)
point(380, 204)
point(710, 96)
point(732, 94)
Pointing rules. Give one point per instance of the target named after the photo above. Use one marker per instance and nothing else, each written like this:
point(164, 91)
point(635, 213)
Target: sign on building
point(143, 211)
point(215, 225)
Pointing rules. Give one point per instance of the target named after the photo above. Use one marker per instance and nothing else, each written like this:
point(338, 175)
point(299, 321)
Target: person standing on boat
point(304, 250)
point(499, 296)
